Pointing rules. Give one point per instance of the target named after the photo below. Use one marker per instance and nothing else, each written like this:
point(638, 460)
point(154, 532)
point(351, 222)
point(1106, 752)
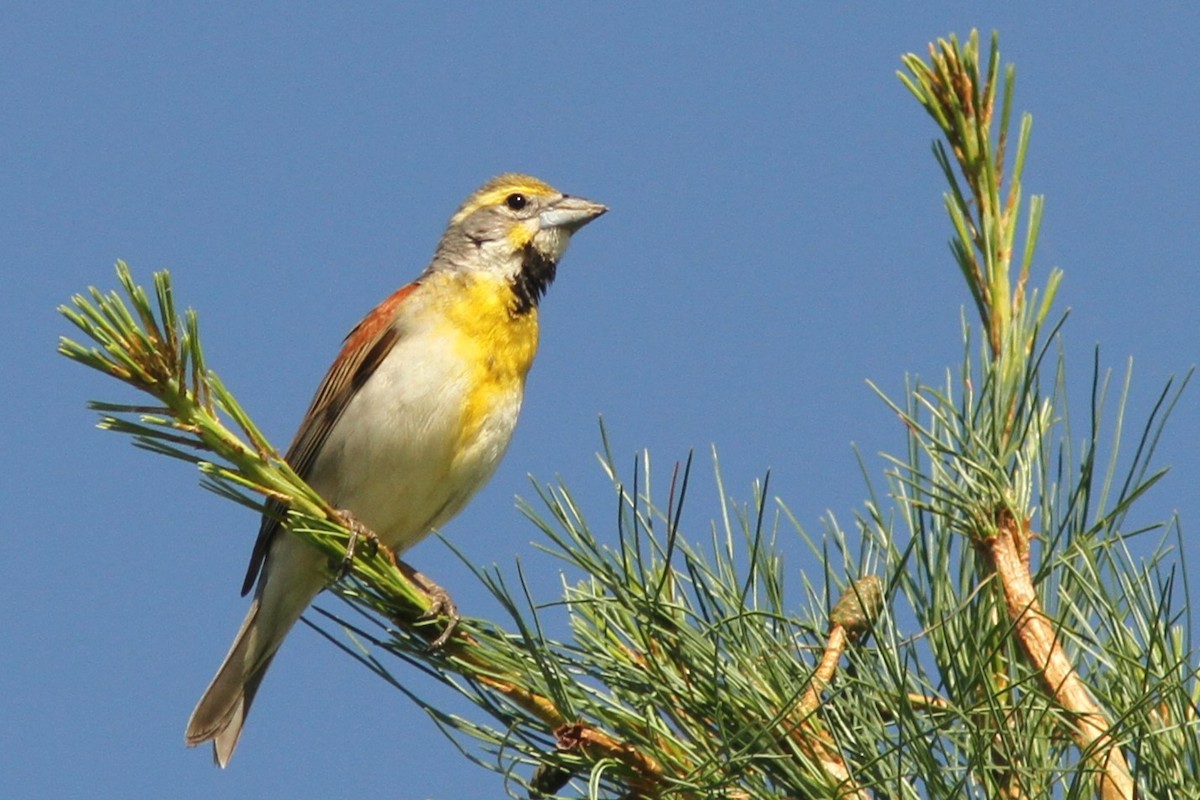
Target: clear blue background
point(776, 239)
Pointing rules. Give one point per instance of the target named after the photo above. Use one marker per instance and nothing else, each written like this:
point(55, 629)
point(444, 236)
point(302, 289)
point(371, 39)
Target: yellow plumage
point(499, 343)
point(412, 418)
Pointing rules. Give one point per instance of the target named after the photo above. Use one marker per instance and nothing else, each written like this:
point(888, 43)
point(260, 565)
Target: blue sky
point(776, 239)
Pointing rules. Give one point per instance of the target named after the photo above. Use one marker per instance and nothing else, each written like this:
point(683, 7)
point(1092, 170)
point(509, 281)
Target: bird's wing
point(364, 350)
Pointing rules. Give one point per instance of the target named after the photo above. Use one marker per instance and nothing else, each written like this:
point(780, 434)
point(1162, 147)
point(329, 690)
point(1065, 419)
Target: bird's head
point(516, 227)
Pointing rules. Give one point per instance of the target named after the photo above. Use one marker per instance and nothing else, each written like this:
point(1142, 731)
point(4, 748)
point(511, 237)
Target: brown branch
point(804, 731)
point(851, 619)
point(1008, 550)
point(646, 771)
point(822, 676)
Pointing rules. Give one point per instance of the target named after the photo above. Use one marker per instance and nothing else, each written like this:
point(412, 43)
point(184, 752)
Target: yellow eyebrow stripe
point(495, 191)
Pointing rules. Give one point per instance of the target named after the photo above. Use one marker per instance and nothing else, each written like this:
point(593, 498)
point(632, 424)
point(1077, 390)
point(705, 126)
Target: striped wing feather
point(364, 350)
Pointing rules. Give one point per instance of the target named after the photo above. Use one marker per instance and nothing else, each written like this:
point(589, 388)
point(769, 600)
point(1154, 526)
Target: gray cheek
point(487, 225)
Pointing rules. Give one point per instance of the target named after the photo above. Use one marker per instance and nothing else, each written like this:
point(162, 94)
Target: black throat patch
point(536, 275)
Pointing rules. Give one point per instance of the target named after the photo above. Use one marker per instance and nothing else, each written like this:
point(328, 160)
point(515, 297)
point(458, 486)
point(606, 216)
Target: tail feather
point(292, 579)
point(226, 739)
point(221, 712)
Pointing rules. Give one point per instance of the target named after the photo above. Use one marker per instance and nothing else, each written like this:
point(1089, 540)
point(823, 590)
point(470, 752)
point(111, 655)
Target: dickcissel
point(412, 418)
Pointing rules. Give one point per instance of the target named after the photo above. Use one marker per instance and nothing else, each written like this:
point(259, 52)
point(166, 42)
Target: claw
point(441, 604)
point(358, 532)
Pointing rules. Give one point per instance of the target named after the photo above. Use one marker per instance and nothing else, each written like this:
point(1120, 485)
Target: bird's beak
point(571, 213)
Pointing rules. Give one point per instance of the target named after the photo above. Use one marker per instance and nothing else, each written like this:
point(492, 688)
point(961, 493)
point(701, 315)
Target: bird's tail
point(222, 710)
point(283, 595)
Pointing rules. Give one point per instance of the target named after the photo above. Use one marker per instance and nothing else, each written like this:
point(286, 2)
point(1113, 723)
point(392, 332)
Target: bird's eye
point(516, 201)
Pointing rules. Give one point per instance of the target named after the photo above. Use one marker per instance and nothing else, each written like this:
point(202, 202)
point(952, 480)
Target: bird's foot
point(441, 604)
point(359, 534)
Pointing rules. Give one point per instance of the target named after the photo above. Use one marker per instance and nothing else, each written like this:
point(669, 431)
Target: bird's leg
point(358, 532)
point(440, 602)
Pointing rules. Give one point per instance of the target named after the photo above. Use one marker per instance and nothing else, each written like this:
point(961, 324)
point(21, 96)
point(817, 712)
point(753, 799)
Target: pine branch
point(537, 688)
point(975, 466)
point(154, 351)
point(1041, 665)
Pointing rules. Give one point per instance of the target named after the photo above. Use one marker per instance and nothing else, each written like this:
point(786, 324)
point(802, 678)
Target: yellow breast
point(498, 346)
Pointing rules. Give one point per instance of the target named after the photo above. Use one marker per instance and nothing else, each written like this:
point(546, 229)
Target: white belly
point(396, 458)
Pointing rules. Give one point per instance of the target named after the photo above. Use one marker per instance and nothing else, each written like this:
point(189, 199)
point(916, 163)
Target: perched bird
point(412, 418)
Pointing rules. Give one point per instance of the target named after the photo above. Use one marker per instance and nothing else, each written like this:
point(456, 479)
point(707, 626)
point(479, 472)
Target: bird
point(412, 418)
